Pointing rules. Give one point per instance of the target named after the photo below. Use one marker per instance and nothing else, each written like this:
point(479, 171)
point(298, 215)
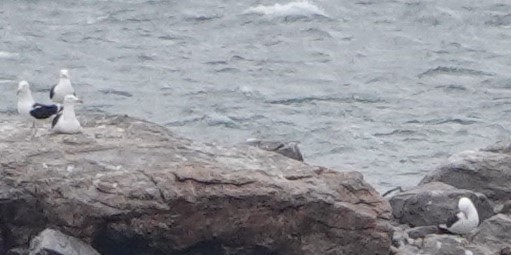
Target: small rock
point(18, 251)
point(51, 241)
point(421, 232)
point(289, 149)
point(506, 208)
point(506, 251)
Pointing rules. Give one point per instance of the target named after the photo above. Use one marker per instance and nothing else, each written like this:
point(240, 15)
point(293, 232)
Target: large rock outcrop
point(487, 171)
point(127, 186)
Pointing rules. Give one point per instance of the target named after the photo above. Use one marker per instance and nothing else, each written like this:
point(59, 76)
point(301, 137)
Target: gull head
point(71, 99)
point(64, 73)
point(23, 87)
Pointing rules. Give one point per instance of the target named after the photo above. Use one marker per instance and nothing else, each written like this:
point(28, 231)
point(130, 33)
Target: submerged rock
point(486, 171)
point(433, 203)
point(127, 186)
point(52, 242)
point(288, 149)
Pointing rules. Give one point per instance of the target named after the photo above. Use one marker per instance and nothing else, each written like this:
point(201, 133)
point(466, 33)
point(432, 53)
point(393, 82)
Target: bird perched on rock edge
point(30, 110)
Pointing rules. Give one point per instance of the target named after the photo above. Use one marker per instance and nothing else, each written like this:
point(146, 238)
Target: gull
point(63, 88)
point(66, 121)
point(32, 111)
point(465, 220)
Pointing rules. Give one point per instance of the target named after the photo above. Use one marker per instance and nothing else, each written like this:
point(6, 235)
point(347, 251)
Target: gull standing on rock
point(66, 121)
point(465, 220)
point(30, 110)
point(63, 88)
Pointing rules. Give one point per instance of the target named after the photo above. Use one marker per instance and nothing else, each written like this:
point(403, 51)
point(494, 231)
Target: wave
point(8, 55)
point(454, 71)
point(344, 99)
point(301, 8)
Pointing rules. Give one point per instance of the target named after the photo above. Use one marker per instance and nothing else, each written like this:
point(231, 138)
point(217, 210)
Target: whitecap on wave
point(300, 8)
point(8, 55)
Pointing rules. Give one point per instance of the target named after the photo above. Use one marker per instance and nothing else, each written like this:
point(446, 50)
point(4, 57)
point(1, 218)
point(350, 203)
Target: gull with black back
point(32, 111)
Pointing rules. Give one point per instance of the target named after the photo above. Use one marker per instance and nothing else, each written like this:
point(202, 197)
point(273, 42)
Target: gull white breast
point(66, 121)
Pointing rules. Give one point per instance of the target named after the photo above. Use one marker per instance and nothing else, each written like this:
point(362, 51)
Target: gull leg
point(34, 130)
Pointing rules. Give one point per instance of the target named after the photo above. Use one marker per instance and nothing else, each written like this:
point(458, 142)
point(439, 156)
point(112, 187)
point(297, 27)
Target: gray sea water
point(387, 87)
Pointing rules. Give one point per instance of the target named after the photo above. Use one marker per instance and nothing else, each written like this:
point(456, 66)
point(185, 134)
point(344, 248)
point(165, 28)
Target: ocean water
point(390, 88)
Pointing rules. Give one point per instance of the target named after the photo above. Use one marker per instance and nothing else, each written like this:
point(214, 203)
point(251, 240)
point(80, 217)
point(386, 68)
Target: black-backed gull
point(30, 110)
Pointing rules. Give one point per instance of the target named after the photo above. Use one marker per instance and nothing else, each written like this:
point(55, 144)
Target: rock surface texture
point(127, 186)
point(495, 233)
point(50, 241)
point(433, 203)
point(487, 171)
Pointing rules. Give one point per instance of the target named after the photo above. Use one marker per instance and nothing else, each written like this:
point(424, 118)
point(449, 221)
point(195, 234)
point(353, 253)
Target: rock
point(289, 149)
point(506, 251)
point(52, 242)
point(127, 186)
point(495, 233)
point(421, 232)
point(486, 171)
point(442, 245)
point(18, 251)
point(433, 203)
point(400, 237)
point(506, 207)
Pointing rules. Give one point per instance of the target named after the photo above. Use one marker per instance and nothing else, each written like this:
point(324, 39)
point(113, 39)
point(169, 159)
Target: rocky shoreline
point(482, 175)
point(127, 186)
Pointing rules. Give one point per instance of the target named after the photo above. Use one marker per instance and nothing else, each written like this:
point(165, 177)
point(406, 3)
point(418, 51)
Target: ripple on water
point(454, 71)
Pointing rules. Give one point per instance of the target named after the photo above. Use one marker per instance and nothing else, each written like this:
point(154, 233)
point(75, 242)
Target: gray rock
point(288, 149)
point(506, 251)
point(132, 187)
point(486, 171)
point(18, 251)
point(506, 207)
point(433, 203)
point(421, 232)
point(52, 242)
point(442, 245)
point(495, 233)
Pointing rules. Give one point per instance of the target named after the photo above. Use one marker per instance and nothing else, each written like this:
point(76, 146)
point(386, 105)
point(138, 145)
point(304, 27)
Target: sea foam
point(300, 8)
